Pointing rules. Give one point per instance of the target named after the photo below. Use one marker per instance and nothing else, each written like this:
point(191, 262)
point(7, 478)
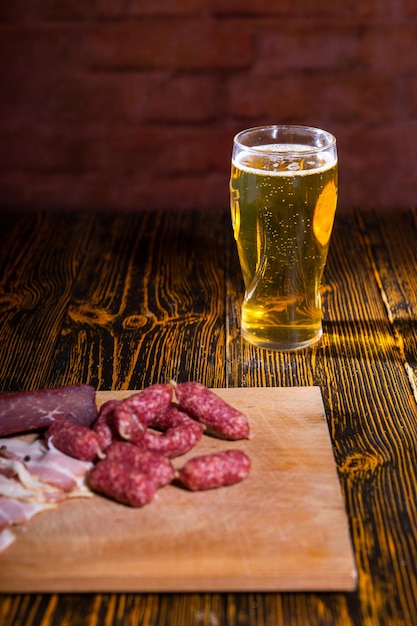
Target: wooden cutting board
point(283, 528)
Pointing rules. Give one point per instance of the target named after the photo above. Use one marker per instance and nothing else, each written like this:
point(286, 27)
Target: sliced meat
point(7, 537)
point(34, 478)
point(30, 410)
point(13, 511)
point(44, 464)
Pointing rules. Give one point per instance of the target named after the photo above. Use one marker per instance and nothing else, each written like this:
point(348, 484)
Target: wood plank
point(283, 528)
point(40, 259)
point(392, 245)
point(370, 413)
point(149, 304)
point(369, 403)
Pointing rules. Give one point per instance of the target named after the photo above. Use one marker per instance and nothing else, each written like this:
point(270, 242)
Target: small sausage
point(206, 407)
point(80, 442)
point(122, 483)
point(156, 466)
point(104, 424)
point(174, 441)
point(171, 417)
point(133, 415)
point(215, 470)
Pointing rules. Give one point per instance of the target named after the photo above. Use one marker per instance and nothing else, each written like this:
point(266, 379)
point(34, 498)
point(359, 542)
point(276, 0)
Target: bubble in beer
point(286, 211)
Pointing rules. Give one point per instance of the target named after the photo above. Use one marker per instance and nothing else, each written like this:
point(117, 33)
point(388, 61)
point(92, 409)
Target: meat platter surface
point(282, 528)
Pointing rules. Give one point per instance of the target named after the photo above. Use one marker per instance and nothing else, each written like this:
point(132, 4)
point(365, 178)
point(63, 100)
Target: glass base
point(288, 346)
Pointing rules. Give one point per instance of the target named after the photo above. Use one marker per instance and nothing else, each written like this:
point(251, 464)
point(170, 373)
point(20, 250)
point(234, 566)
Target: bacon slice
point(43, 468)
point(34, 478)
point(23, 411)
point(7, 537)
point(14, 511)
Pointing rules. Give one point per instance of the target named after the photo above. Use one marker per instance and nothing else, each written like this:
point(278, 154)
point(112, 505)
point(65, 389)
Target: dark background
point(133, 104)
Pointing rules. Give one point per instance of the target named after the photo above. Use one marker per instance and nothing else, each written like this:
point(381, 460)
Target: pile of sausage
point(132, 442)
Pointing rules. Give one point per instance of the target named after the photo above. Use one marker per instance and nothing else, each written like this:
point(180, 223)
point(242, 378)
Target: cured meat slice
point(34, 478)
point(30, 410)
point(206, 407)
point(11, 487)
point(13, 511)
point(16, 481)
point(47, 465)
point(7, 537)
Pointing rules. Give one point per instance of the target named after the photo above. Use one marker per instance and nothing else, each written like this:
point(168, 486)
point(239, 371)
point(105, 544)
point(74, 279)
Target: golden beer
point(283, 202)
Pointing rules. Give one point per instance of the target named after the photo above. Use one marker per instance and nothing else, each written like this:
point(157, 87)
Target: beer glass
point(283, 193)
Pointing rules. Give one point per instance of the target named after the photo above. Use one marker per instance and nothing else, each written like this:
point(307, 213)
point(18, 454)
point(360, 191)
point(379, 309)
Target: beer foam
point(276, 155)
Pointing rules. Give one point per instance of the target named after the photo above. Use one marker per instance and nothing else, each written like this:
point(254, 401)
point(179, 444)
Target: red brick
point(134, 104)
point(38, 148)
point(196, 150)
point(209, 192)
point(117, 8)
point(166, 151)
point(307, 96)
point(53, 191)
point(410, 8)
point(21, 10)
point(377, 165)
point(38, 74)
point(308, 45)
point(95, 191)
point(169, 98)
point(301, 8)
point(170, 44)
point(409, 95)
point(392, 49)
point(31, 54)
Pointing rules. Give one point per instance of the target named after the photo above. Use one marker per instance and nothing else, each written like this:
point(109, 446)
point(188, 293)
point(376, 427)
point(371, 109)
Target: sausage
point(75, 440)
point(171, 417)
point(206, 407)
point(122, 483)
point(174, 441)
point(133, 415)
point(104, 424)
point(156, 466)
point(214, 470)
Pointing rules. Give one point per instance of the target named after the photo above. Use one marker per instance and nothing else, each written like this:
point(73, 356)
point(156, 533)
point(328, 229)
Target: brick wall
point(131, 104)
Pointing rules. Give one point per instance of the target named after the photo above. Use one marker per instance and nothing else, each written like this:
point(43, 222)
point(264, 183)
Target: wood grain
point(133, 265)
point(40, 261)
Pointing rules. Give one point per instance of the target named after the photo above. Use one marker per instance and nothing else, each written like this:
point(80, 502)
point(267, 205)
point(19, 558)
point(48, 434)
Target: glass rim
point(260, 148)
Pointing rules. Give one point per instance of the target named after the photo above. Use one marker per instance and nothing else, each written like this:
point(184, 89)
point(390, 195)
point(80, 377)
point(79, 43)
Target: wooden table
point(123, 301)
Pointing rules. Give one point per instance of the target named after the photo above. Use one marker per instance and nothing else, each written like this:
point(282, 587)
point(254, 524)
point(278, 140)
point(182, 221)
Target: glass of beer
point(283, 192)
